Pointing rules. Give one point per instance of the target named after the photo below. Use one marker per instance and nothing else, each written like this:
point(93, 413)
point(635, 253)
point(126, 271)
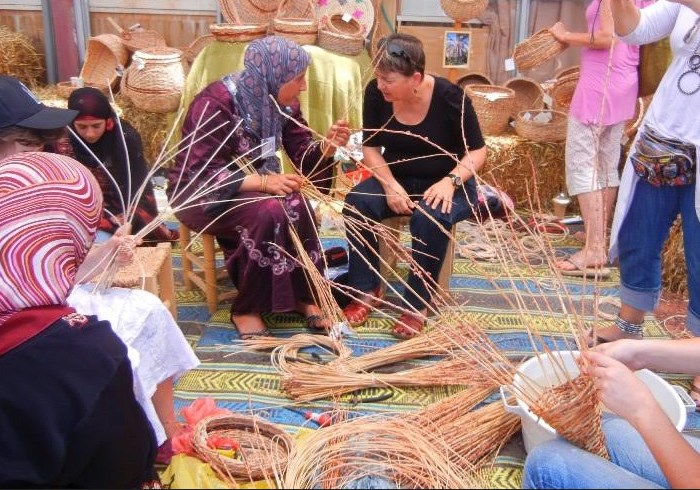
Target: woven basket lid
point(360, 10)
point(159, 54)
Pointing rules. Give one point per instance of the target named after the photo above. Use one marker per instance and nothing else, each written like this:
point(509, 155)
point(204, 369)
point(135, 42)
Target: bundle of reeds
point(19, 58)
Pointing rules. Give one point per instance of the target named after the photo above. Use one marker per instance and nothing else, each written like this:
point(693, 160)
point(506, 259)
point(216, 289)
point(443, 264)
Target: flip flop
point(586, 272)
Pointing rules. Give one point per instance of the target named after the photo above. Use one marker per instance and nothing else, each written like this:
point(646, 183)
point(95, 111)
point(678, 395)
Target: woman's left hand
point(441, 192)
point(338, 135)
point(558, 31)
point(124, 243)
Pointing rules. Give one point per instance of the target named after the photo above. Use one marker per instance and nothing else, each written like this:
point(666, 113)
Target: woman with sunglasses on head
point(433, 148)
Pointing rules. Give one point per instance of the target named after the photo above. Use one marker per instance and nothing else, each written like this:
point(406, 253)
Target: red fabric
point(199, 409)
point(25, 324)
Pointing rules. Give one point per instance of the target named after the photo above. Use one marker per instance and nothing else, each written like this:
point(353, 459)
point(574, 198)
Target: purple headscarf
point(269, 63)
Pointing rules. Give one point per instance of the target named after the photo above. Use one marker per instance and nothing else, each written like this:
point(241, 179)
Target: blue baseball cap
point(20, 107)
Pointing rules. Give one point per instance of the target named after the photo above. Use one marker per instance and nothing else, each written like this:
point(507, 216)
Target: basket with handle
point(563, 91)
point(344, 24)
point(530, 125)
point(155, 79)
point(249, 11)
point(528, 94)
point(493, 105)
point(536, 50)
point(264, 447)
point(348, 44)
point(236, 30)
point(105, 57)
point(302, 30)
point(135, 39)
point(464, 9)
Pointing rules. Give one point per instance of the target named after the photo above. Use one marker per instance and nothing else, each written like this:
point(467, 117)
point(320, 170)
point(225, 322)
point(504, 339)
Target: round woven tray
point(493, 105)
point(105, 54)
point(464, 9)
point(64, 89)
point(264, 447)
point(248, 11)
point(193, 49)
point(568, 71)
point(474, 78)
point(553, 131)
point(232, 33)
point(341, 43)
point(563, 91)
point(528, 94)
point(536, 50)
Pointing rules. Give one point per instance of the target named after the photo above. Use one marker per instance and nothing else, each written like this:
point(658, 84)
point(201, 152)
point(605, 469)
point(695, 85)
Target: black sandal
point(264, 332)
point(316, 322)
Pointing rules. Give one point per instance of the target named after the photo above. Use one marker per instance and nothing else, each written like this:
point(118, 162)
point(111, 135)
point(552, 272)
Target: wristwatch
point(456, 180)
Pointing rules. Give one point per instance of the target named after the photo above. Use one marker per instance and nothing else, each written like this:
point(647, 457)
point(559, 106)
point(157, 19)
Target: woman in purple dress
point(227, 180)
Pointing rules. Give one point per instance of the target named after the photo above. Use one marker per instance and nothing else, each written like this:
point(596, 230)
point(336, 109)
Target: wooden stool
point(391, 257)
point(152, 268)
point(208, 275)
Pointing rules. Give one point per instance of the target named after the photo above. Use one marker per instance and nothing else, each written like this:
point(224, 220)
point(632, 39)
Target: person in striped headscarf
point(69, 416)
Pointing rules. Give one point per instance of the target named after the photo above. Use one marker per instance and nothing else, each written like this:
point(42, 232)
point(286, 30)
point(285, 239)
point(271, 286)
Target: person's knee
point(545, 465)
point(271, 212)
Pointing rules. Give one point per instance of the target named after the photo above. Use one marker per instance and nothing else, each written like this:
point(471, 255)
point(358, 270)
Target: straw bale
point(675, 270)
point(19, 59)
point(526, 170)
point(152, 127)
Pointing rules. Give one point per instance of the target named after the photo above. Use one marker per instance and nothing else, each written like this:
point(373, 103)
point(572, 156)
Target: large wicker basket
point(493, 105)
point(233, 33)
point(528, 94)
point(553, 131)
point(302, 30)
point(348, 44)
point(464, 9)
point(106, 55)
point(264, 447)
point(536, 50)
point(135, 39)
point(563, 91)
point(193, 49)
point(155, 79)
point(474, 78)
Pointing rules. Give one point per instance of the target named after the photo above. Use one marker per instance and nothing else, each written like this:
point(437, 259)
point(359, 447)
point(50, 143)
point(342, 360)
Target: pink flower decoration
point(322, 3)
point(358, 14)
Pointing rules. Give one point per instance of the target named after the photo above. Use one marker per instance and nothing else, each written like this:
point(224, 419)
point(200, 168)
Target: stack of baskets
point(302, 30)
point(528, 94)
point(493, 105)
point(341, 35)
point(461, 10)
point(105, 57)
point(563, 91)
point(155, 79)
point(551, 130)
point(237, 31)
point(536, 50)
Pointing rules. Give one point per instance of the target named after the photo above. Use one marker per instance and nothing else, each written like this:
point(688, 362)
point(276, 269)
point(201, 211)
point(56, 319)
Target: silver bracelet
point(628, 327)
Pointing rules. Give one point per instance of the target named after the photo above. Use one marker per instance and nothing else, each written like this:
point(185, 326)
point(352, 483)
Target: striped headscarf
point(50, 206)
point(268, 64)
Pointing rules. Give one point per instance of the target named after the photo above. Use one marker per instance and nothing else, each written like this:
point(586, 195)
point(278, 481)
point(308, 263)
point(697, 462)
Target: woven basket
point(349, 27)
point(249, 11)
point(474, 78)
point(64, 89)
point(464, 9)
point(568, 71)
point(640, 110)
point(264, 447)
point(563, 91)
point(155, 79)
point(138, 39)
point(341, 43)
point(493, 105)
point(302, 30)
point(193, 49)
point(104, 56)
point(232, 33)
point(361, 11)
point(553, 131)
point(536, 50)
point(528, 94)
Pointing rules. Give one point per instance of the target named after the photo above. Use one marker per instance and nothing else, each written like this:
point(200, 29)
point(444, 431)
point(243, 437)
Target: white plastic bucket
point(539, 370)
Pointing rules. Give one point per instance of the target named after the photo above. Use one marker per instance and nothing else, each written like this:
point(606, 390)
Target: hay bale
point(19, 59)
point(152, 127)
point(528, 171)
point(675, 271)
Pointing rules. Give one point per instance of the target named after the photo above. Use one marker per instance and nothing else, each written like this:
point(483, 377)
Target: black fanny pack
point(663, 161)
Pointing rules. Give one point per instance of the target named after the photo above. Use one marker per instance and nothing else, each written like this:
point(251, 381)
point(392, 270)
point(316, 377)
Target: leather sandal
point(317, 322)
point(408, 326)
point(357, 313)
point(264, 332)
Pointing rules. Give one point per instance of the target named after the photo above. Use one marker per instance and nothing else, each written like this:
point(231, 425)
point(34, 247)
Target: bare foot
point(250, 325)
point(580, 236)
point(695, 392)
point(608, 334)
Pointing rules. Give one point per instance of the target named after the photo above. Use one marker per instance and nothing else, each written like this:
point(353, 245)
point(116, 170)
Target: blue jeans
point(641, 240)
point(560, 464)
point(367, 203)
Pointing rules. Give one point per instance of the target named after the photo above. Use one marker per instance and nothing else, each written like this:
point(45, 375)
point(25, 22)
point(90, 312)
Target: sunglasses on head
point(393, 49)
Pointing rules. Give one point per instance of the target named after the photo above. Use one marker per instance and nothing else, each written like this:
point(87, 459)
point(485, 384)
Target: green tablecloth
point(335, 82)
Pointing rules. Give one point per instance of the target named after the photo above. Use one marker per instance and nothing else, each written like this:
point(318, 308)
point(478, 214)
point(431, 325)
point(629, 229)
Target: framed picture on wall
point(456, 49)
